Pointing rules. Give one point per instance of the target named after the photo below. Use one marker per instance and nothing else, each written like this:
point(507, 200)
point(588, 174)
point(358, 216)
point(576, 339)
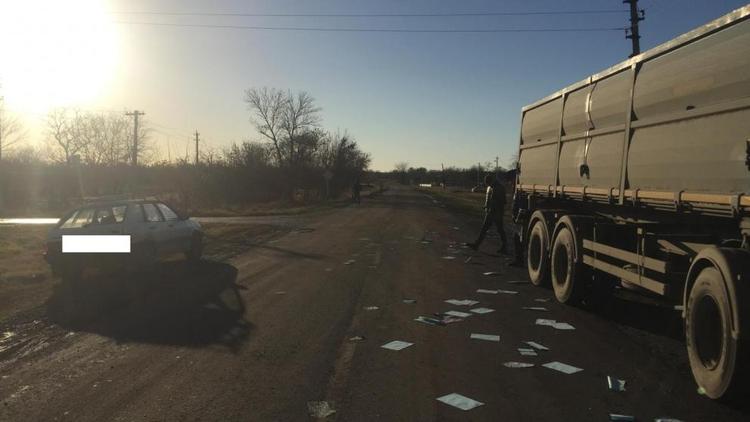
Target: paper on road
point(492, 273)
point(518, 365)
point(320, 409)
point(562, 367)
point(458, 314)
point(488, 337)
point(617, 417)
point(507, 292)
point(489, 292)
point(615, 384)
point(459, 401)
point(535, 308)
point(554, 324)
point(396, 345)
point(482, 310)
point(464, 302)
point(527, 352)
point(536, 345)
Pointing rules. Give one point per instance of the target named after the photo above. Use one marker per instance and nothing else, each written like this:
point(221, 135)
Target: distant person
point(494, 208)
point(356, 189)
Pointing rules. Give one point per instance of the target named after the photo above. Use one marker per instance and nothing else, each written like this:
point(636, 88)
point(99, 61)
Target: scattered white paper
point(489, 292)
point(492, 273)
point(548, 322)
point(459, 401)
point(464, 302)
point(350, 262)
point(535, 308)
point(456, 228)
point(541, 300)
point(617, 417)
point(488, 337)
point(666, 420)
point(371, 308)
point(410, 301)
point(449, 257)
point(536, 345)
point(458, 314)
point(396, 345)
point(482, 310)
point(563, 326)
point(518, 365)
point(429, 321)
point(615, 384)
point(320, 409)
point(562, 367)
point(507, 292)
point(527, 352)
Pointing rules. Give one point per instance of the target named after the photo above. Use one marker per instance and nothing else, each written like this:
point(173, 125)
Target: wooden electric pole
point(632, 33)
point(197, 135)
point(135, 114)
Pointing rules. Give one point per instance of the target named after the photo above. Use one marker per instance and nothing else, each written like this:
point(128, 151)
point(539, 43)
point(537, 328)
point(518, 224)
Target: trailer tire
point(566, 273)
point(713, 352)
point(537, 253)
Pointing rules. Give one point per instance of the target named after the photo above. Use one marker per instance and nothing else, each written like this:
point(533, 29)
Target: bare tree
point(301, 117)
point(11, 130)
point(63, 127)
point(267, 107)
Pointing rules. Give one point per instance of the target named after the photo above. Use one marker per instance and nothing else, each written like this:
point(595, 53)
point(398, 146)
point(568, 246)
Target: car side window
point(169, 215)
point(151, 213)
point(104, 216)
point(79, 219)
point(119, 213)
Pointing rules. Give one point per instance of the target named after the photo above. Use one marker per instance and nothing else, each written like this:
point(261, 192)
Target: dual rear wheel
point(556, 262)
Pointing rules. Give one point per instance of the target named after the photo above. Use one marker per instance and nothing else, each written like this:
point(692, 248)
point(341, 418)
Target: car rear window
point(151, 214)
point(169, 215)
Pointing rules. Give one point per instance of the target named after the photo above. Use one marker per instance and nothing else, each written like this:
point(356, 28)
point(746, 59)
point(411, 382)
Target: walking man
point(494, 208)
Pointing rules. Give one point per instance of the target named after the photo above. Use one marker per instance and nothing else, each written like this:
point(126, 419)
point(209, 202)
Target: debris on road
point(541, 300)
point(492, 273)
point(482, 310)
point(615, 384)
point(371, 308)
point(456, 228)
point(449, 257)
point(517, 282)
point(535, 308)
point(429, 321)
point(488, 337)
point(562, 367)
point(396, 345)
point(617, 417)
point(518, 365)
point(364, 239)
point(458, 314)
point(356, 338)
point(320, 409)
point(350, 262)
point(459, 401)
point(554, 324)
point(666, 420)
point(489, 292)
point(467, 260)
point(464, 302)
point(409, 301)
point(448, 319)
point(527, 352)
point(507, 292)
point(536, 345)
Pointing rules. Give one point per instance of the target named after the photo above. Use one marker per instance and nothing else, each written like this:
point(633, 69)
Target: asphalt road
point(261, 335)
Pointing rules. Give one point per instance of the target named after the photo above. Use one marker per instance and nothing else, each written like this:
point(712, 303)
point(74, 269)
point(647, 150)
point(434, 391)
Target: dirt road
point(260, 335)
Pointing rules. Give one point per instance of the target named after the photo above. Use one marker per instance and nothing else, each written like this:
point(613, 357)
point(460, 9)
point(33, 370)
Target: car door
point(180, 231)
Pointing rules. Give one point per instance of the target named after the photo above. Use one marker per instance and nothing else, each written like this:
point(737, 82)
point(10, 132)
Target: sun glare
point(55, 53)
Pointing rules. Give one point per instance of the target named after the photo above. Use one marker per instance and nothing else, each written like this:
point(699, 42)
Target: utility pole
point(135, 114)
point(632, 32)
point(496, 162)
point(196, 146)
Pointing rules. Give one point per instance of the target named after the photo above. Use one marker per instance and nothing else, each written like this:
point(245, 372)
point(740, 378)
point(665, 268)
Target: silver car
point(156, 232)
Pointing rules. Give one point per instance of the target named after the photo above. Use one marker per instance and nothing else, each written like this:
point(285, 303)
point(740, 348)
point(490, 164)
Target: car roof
point(112, 203)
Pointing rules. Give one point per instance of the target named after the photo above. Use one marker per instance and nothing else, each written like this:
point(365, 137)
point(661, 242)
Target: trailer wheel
point(712, 350)
point(566, 273)
point(537, 254)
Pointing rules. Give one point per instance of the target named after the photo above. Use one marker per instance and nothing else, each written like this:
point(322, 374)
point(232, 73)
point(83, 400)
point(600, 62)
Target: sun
point(55, 53)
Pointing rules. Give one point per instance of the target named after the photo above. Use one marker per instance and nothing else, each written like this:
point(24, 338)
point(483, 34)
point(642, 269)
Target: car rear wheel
point(712, 350)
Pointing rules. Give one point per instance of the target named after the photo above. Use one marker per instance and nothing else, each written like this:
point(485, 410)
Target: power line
point(373, 15)
point(399, 30)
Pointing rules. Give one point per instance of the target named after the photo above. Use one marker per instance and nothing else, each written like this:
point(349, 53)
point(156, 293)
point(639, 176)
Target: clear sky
point(424, 98)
